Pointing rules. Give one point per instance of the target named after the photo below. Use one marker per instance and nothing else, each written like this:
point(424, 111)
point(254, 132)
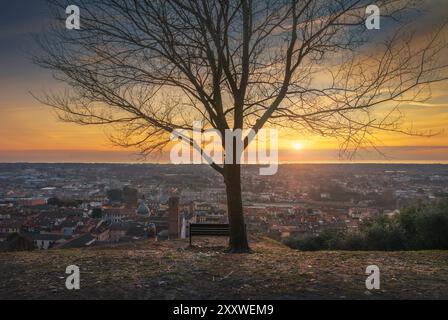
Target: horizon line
point(345, 162)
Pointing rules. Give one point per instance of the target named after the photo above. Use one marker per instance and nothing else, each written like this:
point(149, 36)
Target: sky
point(30, 131)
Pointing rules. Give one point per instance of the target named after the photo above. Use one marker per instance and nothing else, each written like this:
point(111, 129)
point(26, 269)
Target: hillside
point(170, 270)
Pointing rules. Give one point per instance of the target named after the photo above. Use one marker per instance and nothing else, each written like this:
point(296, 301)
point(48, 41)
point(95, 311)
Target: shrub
point(426, 225)
point(353, 241)
point(422, 226)
point(16, 242)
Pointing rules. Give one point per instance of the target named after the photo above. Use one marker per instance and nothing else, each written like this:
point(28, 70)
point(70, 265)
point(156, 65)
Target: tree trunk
point(238, 237)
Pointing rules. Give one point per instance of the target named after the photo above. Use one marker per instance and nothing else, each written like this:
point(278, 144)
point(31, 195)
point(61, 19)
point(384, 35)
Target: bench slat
point(209, 229)
point(208, 225)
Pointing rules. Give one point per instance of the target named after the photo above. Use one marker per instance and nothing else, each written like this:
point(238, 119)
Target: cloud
point(428, 104)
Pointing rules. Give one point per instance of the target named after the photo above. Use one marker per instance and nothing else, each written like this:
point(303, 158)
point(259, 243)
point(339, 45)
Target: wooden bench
point(209, 229)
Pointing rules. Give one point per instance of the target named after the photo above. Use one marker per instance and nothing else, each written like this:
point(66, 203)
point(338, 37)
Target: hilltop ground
point(171, 270)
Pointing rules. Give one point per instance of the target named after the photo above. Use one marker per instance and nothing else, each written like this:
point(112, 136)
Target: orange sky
point(29, 130)
point(26, 125)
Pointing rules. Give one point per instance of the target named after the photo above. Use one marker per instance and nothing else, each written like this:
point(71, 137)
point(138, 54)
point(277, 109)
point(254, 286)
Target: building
point(130, 197)
point(113, 215)
point(143, 210)
point(45, 241)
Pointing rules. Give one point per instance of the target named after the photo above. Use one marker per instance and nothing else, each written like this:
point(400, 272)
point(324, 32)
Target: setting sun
point(298, 146)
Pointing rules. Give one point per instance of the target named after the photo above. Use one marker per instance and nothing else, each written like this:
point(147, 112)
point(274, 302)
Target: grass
point(172, 270)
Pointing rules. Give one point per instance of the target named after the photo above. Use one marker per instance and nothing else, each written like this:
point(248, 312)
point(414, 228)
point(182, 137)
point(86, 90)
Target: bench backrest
point(209, 229)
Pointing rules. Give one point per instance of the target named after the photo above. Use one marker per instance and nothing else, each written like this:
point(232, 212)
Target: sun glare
point(298, 146)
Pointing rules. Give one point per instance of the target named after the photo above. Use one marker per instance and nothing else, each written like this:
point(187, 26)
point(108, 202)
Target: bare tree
point(148, 67)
